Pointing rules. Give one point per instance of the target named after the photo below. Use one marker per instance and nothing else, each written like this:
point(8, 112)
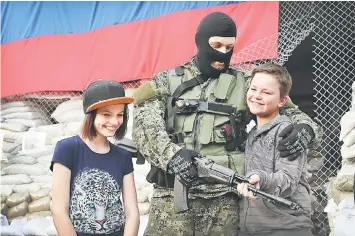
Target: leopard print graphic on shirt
point(95, 206)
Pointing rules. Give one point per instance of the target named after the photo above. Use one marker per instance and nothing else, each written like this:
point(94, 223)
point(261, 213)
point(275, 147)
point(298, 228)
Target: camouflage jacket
point(152, 140)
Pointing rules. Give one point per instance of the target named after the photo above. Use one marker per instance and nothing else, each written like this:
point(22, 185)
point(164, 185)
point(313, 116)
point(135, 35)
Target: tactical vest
point(209, 120)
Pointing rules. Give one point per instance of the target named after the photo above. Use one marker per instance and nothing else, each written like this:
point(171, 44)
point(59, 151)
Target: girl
point(90, 173)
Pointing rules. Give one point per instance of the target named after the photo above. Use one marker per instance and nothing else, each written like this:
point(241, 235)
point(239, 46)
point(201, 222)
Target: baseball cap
point(103, 93)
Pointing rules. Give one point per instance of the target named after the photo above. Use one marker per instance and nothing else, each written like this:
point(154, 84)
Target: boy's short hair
point(88, 129)
point(280, 73)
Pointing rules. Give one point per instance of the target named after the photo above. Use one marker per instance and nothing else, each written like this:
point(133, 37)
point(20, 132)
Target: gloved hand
point(295, 139)
point(182, 166)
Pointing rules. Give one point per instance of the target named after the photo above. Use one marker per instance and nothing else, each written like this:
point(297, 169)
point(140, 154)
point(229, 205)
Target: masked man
point(199, 107)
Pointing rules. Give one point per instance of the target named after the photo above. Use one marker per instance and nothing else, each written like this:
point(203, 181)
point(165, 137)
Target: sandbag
point(143, 208)
point(345, 177)
point(6, 190)
point(19, 210)
point(3, 199)
point(24, 169)
point(72, 116)
point(9, 147)
point(349, 139)
point(4, 209)
point(44, 192)
point(47, 150)
point(27, 188)
point(347, 152)
point(30, 115)
point(13, 127)
point(15, 179)
point(42, 204)
point(52, 130)
point(46, 160)
point(23, 160)
point(29, 123)
point(347, 124)
point(41, 178)
point(37, 226)
point(345, 221)
point(13, 137)
point(55, 140)
point(336, 194)
point(18, 221)
point(51, 230)
point(17, 198)
point(11, 230)
point(72, 128)
point(19, 109)
point(16, 104)
point(38, 214)
point(67, 106)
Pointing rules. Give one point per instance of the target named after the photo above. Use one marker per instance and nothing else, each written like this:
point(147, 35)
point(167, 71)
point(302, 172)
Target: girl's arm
point(130, 206)
point(60, 200)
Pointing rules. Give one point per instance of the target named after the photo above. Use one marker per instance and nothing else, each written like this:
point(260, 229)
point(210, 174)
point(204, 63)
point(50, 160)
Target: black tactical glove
point(182, 166)
point(295, 139)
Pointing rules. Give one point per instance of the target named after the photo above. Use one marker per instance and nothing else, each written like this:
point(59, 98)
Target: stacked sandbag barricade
point(26, 181)
point(341, 188)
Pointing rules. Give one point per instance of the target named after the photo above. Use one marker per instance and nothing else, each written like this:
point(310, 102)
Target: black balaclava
point(214, 24)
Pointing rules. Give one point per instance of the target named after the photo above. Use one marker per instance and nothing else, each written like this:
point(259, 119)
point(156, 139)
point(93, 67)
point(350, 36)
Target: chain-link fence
point(331, 25)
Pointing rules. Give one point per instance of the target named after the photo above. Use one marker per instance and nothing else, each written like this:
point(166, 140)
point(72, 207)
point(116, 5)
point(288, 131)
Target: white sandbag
point(19, 109)
point(143, 208)
point(42, 204)
point(149, 191)
point(72, 128)
point(141, 169)
point(345, 221)
point(29, 123)
point(4, 209)
point(19, 210)
point(140, 181)
point(15, 179)
point(71, 116)
point(11, 230)
point(347, 124)
point(37, 226)
point(46, 185)
point(47, 150)
point(4, 221)
point(43, 192)
point(46, 160)
point(27, 188)
point(23, 160)
point(3, 199)
point(17, 150)
point(7, 156)
point(13, 127)
point(29, 115)
point(53, 130)
point(17, 198)
point(51, 230)
point(344, 180)
point(41, 178)
point(16, 104)
point(6, 190)
point(9, 147)
point(10, 136)
point(347, 152)
point(67, 106)
point(38, 214)
point(141, 197)
point(34, 140)
point(336, 194)
point(349, 139)
point(24, 169)
point(55, 140)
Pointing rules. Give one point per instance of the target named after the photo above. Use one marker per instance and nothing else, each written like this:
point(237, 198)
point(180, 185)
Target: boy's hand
point(295, 139)
point(243, 187)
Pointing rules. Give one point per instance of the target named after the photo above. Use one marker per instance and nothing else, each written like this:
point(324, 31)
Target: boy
point(270, 86)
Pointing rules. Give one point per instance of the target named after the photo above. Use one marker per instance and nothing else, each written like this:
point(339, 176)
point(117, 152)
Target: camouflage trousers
point(216, 216)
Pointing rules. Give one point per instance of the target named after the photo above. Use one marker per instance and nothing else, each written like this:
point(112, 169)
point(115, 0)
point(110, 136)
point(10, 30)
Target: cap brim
point(109, 102)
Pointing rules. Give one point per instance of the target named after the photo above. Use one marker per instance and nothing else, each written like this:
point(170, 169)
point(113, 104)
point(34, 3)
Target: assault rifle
point(209, 171)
